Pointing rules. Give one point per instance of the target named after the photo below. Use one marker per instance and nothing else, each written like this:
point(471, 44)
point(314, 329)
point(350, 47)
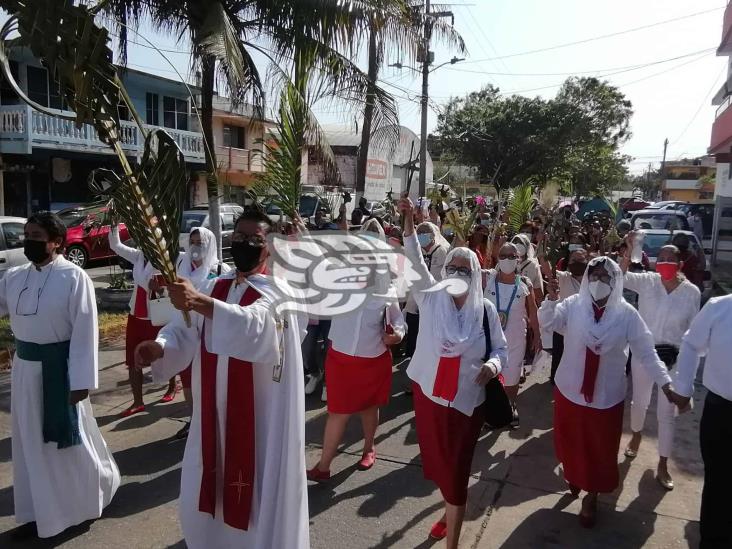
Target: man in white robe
point(241, 334)
point(63, 471)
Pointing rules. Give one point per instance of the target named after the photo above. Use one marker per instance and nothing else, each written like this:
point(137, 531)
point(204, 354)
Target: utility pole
point(427, 58)
point(663, 164)
point(425, 99)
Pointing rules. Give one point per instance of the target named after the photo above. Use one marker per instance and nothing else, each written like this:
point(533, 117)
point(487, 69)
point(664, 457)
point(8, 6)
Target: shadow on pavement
point(150, 458)
point(153, 413)
point(7, 541)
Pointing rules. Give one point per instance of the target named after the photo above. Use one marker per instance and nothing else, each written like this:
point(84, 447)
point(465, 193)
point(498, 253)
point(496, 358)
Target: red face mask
point(667, 271)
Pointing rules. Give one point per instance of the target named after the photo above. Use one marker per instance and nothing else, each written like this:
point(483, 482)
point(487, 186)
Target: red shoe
point(439, 530)
point(367, 461)
point(316, 475)
point(132, 411)
point(169, 397)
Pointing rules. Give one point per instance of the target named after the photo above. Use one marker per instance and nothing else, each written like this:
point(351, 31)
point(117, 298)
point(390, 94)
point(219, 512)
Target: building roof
point(342, 136)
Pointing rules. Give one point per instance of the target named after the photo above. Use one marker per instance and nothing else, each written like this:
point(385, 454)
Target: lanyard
point(503, 313)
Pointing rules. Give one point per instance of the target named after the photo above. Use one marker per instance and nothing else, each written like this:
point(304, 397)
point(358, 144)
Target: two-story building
point(46, 160)
point(689, 180)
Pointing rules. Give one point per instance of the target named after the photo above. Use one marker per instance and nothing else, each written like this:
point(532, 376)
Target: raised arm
point(553, 315)
point(130, 254)
point(413, 251)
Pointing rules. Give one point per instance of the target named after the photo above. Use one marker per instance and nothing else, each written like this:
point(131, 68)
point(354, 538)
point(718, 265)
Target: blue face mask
point(425, 239)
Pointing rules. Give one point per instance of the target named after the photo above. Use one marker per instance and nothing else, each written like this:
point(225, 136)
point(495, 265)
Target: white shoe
point(312, 384)
point(324, 396)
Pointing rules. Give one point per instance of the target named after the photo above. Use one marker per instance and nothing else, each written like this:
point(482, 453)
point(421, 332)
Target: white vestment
point(56, 488)
point(279, 515)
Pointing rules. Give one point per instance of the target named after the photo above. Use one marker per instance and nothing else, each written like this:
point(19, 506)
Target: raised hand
point(146, 353)
point(552, 289)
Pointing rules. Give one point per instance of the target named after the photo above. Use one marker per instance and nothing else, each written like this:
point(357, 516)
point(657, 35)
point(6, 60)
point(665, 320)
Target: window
point(152, 109)
point(38, 85)
point(227, 222)
point(7, 93)
point(234, 137)
point(123, 111)
point(175, 113)
point(14, 235)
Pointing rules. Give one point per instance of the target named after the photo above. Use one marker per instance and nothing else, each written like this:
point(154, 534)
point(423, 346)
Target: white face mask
point(575, 247)
point(600, 290)
point(507, 266)
point(196, 252)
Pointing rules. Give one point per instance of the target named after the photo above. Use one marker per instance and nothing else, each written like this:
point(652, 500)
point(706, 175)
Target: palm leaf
point(519, 206)
point(461, 224)
point(150, 202)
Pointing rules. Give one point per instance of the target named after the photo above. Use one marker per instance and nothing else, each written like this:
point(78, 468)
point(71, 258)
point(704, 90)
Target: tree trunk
point(368, 115)
point(208, 75)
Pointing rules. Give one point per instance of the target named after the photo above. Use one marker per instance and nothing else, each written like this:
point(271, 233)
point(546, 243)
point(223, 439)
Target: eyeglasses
point(462, 271)
point(253, 239)
point(602, 278)
point(25, 288)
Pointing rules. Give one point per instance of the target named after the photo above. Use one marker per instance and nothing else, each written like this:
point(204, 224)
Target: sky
point(669, 70)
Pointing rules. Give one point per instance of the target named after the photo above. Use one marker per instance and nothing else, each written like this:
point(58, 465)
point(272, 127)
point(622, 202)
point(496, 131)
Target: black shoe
point(25, 532)
point(183, 433)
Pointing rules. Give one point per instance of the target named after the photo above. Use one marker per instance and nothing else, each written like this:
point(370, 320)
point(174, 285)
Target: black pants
point(557, 352)
point(715, 437)
point(314, 347)
point(412, 320)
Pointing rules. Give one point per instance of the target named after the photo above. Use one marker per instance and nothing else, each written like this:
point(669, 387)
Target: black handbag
point(668, 354)
point(497, 407)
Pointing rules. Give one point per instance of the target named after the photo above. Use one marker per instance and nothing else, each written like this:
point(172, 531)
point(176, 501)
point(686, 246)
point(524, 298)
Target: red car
point(87, 238)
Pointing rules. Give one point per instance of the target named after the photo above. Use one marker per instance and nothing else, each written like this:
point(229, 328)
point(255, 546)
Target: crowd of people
point(581, 290)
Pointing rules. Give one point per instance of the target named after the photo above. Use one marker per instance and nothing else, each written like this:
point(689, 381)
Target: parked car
point(666, 205)
point(725, 222)
point(12, 234)
point(309, 205)
point(198, 217)
point(669, 220)
point(705, 210)
point(87, 234)
point(655, 239)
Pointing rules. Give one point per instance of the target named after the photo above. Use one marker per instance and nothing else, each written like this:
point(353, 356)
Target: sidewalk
point(516, 497)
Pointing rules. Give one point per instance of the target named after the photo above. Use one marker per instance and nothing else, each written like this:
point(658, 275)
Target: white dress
point(279, 516)
point(515, 330)
point(55, 488)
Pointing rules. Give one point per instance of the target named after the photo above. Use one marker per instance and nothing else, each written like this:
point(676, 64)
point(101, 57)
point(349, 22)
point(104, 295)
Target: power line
point(600, 37)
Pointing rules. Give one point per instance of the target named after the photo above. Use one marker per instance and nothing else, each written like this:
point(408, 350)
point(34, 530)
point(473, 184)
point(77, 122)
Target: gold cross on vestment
point(239, 484)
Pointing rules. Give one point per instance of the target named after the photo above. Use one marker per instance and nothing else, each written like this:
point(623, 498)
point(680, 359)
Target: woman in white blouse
point(139, 327)
point(449, 371)
point(598, 326)
point(358, 367)
point(667, 303)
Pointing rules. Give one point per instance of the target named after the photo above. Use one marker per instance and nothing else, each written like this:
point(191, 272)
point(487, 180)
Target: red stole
point(446, 379)
point(592, 364)
point(239, 442)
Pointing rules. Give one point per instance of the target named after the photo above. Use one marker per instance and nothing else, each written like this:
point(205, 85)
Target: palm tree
point(224, 33)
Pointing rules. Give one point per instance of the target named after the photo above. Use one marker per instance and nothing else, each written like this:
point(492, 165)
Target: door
point(12, 246)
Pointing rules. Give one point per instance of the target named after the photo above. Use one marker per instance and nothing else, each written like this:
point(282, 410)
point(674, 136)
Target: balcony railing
point(23, 128)
point(233, 159)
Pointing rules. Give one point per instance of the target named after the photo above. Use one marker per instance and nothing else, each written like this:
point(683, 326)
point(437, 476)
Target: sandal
point(132, 411)
point(439, 530)
point(367, 461)
point(168, 396)
point(316, 475)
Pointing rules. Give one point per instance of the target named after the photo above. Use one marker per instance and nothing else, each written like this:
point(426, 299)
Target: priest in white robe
point(243, 480)
point(63, 471)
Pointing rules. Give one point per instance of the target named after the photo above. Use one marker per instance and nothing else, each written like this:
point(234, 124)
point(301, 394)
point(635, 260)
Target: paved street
point(516, 497)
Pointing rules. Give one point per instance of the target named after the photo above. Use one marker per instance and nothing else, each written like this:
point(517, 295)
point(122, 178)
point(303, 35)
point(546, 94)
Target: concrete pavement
point(516, 497)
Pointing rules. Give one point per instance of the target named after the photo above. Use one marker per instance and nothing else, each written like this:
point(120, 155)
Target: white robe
point(279, 516)
point(55, 488)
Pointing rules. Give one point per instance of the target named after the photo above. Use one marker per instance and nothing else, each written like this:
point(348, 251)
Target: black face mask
point(246, 255)
point(577, 268)
point(35, 250)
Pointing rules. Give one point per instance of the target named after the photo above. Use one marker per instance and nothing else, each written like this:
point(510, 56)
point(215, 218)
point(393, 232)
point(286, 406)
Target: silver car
point(12, 235)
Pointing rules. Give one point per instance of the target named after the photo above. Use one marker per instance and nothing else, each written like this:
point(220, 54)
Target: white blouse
point(359, 333)
point(568, 285)
point(667, 315)
point(423, 366)
point(566, 317)
point(142, 270)
point(708, 336)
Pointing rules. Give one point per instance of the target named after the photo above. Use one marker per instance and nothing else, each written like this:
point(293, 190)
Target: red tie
point(592, 364)
point(239, 441)
point(446, 380)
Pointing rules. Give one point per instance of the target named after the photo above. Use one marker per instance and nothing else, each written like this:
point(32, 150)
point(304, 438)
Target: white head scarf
point(209, 260)
point(437, 237)
point(452, 337)
point(372, 225)
point(525, 241)
point(597, 335)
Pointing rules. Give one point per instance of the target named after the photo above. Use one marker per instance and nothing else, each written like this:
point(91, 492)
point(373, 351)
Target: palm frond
point(519, 206)
point(461, 224)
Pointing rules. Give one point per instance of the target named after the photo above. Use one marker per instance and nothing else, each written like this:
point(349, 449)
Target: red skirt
point(138, 330)
point(357, 383)
point(586, 441)
point(447, 440)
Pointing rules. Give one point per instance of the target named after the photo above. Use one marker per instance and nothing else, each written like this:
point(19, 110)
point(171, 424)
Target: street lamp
point(424, 101)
